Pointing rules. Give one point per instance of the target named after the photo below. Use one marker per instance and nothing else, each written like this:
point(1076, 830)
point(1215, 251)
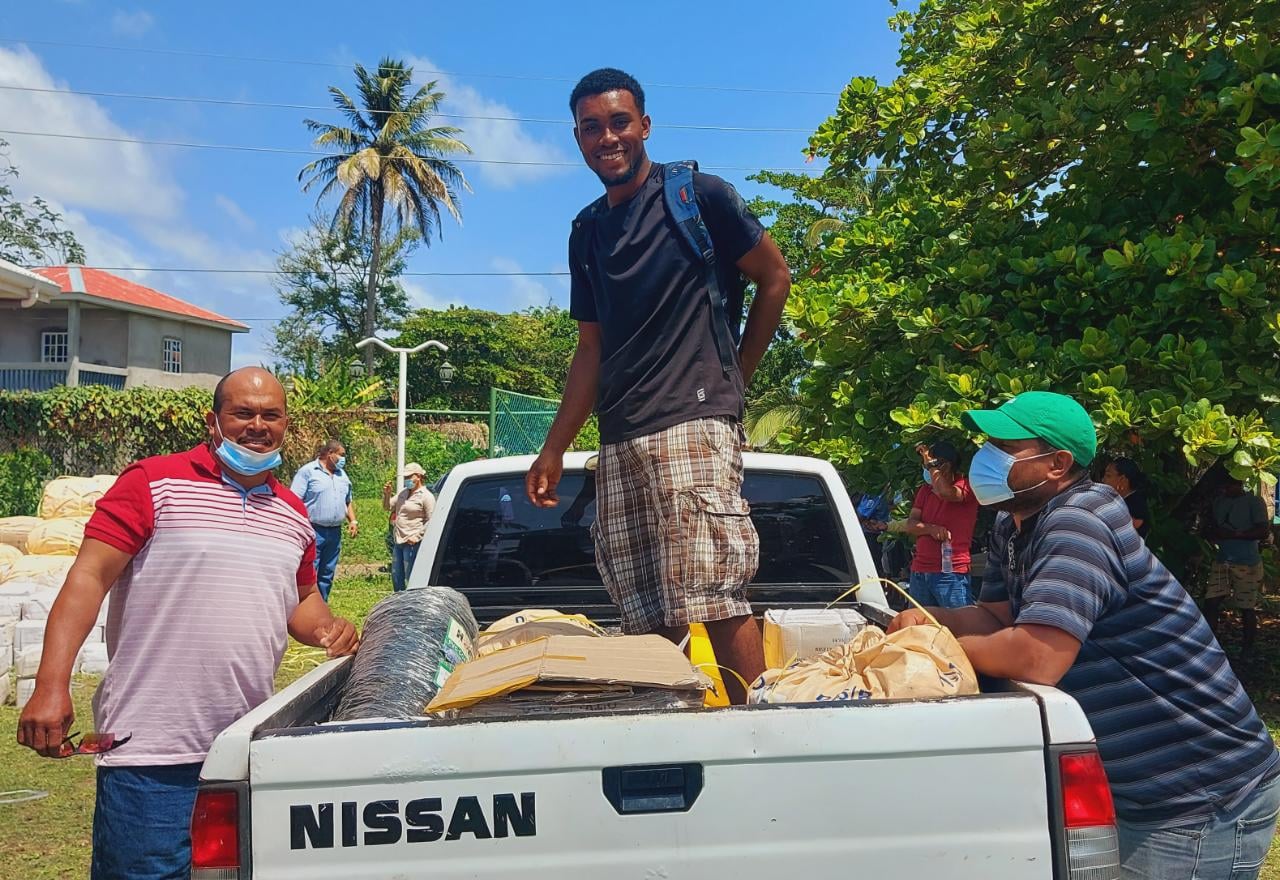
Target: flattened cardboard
point(569, 661)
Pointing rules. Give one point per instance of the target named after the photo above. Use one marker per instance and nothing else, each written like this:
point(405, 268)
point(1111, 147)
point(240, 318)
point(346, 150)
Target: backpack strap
point(682, 205)
point(581, 230)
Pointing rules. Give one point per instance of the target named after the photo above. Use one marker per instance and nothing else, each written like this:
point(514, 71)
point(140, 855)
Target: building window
point(55, 347)
point(172, 355)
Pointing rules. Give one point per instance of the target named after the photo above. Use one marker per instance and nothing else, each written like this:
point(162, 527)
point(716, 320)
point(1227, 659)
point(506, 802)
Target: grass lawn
point(49, 839)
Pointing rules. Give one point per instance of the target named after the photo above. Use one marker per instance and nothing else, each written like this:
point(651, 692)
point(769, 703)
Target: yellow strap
point(862, 583)
point(746, 688)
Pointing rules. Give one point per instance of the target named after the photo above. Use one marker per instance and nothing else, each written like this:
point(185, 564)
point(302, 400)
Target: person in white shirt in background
point(410, 510)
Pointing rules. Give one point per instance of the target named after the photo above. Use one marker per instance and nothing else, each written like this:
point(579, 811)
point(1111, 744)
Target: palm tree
point(387, 155)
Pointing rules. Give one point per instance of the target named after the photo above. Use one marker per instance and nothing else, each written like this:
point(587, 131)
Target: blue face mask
point(341, 464)
point(245, 461)
point(928, 477)
point(989, 474)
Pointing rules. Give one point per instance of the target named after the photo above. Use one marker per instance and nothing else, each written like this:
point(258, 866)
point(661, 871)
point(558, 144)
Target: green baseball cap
point(1054, 418)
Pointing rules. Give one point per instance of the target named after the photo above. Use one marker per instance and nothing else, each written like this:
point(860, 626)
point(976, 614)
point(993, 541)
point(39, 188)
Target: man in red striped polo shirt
point(210, 563)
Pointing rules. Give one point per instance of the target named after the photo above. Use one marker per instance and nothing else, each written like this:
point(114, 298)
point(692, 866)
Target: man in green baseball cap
point(1072, 597)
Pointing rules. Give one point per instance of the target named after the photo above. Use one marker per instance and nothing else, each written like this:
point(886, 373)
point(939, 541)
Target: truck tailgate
point(949, 788)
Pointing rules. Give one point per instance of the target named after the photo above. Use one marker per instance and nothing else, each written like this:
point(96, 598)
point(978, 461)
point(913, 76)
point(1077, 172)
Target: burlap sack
point(915, 662)
point(14, 530)
point(57, 537)
point(8, 555)
point(45, 571)
point(72, 496)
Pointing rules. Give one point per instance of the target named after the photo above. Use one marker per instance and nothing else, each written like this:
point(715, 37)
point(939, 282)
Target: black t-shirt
point(1136, 501)
point(638, 279)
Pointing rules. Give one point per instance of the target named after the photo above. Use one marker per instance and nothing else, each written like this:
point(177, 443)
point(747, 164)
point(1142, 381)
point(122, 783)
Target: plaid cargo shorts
point(673, 536)
point(1241, 585)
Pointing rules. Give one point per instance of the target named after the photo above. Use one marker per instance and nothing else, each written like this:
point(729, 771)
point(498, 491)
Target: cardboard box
point(571, 663)
point(793, 635)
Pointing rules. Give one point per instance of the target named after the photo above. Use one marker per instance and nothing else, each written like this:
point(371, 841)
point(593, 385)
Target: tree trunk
point(371, 293)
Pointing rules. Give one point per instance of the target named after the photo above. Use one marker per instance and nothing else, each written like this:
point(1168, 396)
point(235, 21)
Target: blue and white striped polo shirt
point(1178, 735)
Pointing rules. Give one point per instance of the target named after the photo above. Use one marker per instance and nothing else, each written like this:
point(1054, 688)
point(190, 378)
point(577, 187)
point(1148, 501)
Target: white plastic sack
point(7, 625)
point(37, 605)
point(6, 659)
point(71, 496)
point(93, 659)
point(43, 571)
point(28, 634)
point(26, 687)
point(96, 636)
point(27, 662)
point(6, 686)
point(12, 595)
point(14, 530)
point(57, 537)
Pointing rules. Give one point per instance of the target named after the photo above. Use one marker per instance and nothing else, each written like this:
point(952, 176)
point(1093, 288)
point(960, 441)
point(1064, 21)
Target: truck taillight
point(1088, 818)
point(215, 836)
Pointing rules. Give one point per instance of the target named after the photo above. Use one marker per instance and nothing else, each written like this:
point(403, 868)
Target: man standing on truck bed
point(1072, 597)
point(210, 564)
point(657, 290)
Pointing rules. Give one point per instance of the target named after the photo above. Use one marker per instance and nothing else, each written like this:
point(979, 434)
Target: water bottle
point(946, 557)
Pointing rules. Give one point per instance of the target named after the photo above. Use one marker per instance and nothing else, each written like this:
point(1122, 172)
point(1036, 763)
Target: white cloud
point(495, 139)
point(131, 24)
point(524, 290)
point(129, 180)
point(422, 298)
point(235, 212)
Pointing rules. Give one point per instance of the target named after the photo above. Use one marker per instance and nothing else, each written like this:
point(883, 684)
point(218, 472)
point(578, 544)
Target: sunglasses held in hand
point(92, 744)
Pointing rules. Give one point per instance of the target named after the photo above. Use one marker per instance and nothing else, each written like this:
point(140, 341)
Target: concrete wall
point(122, 339)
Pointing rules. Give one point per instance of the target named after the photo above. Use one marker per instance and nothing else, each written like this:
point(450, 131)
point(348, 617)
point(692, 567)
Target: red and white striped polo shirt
point(198, 621)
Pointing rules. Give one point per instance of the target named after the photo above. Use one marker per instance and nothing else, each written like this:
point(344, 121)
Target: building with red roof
point(76, 325)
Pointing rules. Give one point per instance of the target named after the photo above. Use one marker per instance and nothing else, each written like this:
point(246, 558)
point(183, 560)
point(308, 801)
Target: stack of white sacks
point(35, 554)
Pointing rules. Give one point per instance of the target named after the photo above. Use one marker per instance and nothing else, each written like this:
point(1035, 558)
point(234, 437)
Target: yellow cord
point(746, 688)
point(862, 583)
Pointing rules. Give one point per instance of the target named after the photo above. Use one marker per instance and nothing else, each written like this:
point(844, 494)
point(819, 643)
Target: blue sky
point(147, 206)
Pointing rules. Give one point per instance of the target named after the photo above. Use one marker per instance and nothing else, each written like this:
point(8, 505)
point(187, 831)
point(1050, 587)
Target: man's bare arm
point(764, 265)
point(580, 390)
point(314, 624)
point(49, 713)
point(1028, 652)
point(982, 619)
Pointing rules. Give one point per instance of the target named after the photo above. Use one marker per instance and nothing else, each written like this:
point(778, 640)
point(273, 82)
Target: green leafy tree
point(31, 232)
point(1084, 200)
point(323, 279)
point(818, 205)
point(388, 155)
point(527, 351)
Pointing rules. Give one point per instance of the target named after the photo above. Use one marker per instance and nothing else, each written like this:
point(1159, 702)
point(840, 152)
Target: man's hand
point(338, 637)
point(910, 617)
point(940, 533)
point(45, 720)
point(352, 529)
point(543, 477)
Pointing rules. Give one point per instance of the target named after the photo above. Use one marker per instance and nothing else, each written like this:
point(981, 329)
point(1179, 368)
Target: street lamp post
point(401, 402)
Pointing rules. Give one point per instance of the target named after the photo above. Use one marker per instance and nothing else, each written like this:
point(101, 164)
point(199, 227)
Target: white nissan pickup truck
point(1005, 785)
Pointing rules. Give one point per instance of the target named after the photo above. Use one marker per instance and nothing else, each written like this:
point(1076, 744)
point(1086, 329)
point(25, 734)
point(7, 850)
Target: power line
point(223, 271)
point(289, 151)
point(229, 102)
point(186, 53)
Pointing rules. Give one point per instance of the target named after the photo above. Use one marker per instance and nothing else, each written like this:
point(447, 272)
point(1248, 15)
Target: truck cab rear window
point(496, 538)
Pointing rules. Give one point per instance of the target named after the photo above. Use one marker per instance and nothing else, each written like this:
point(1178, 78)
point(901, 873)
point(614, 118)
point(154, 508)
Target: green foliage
point(323, 279)
point(436, 453)
point(1082, 201)
point(526, 352)
point(31, 232)
point(389, 155)
point(332, 388)
point(23, 473)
